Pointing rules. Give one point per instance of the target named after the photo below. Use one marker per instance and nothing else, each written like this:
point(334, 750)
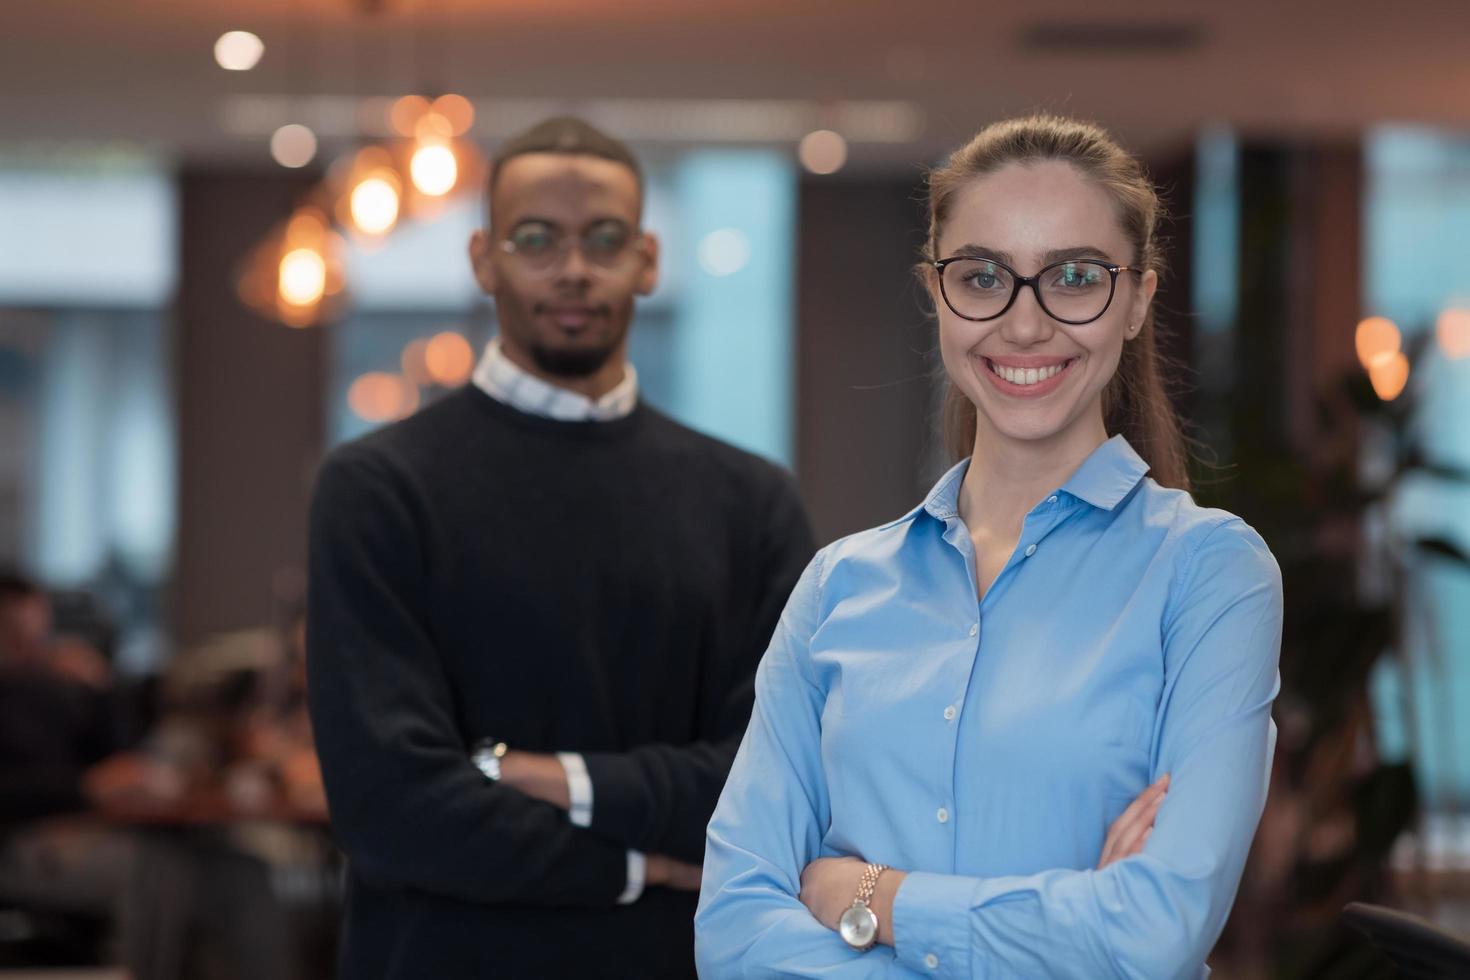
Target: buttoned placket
point(1044, 518)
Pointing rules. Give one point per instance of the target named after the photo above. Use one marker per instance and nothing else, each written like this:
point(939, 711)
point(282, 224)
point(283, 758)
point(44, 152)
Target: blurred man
point(535, 612)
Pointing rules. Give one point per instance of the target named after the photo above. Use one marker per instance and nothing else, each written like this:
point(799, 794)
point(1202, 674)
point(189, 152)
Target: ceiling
point(77, 73)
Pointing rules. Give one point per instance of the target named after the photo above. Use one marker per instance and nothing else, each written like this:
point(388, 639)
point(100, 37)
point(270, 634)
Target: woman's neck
point(1007, 477)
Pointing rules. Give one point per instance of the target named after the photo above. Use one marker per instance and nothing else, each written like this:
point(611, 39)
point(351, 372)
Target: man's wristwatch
point(859, 924)
point(486, 757)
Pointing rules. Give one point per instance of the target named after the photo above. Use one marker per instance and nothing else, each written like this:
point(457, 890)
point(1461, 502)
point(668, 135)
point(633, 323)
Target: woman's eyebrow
point(982, 252)
point(972, 251)
point(1073, 252)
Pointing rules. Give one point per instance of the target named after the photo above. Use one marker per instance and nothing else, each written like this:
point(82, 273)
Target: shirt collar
point(505, 381)
point(1106, 476)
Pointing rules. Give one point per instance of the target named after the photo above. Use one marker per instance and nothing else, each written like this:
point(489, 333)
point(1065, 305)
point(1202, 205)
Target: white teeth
point(1025, 376)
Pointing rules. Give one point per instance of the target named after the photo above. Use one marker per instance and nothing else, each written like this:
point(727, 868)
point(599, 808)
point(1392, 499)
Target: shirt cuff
point(931, 924)
point(637, 873)
point(579, 789)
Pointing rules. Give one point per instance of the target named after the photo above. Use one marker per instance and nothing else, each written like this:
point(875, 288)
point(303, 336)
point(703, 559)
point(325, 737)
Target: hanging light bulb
point(375, 203)
point(303, 277)
point(295, 274)
point(434, 169)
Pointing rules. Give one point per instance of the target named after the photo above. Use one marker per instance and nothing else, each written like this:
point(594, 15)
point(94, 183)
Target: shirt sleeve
point(1156, 914)
point(407, 805)
point(658, 798)
point(768, 826)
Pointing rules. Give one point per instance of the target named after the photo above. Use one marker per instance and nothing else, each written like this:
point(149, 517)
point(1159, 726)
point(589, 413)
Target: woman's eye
point(1078, 276)
point(983, 278)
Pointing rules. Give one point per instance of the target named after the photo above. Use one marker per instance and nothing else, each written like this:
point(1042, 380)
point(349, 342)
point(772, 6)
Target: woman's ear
point(1148, 284)
point(482, 261)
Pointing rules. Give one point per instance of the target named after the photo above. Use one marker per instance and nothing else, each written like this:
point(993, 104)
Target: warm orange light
point(1389, 375)
point(1453, 333)
point(303, 278)
point(374, 202)
point(432, 128)
point(434, 169)
point(415, 367)
point(449, 359)
point(458, 110)
point(306, 228)
point(379, 396)
point(1377, 340)
point(406, 112)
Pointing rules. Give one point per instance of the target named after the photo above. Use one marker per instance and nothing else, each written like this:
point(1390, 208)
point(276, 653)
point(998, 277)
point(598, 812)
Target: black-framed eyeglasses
point(1073, 291)
point(542, 247)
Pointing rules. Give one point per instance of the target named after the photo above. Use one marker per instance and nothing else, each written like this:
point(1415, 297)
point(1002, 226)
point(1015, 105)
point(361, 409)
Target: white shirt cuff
point(579, 789)
point(637, 871)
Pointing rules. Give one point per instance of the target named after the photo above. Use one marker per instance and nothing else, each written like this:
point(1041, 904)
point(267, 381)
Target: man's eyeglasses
point(541, 247)
point(1075, 291)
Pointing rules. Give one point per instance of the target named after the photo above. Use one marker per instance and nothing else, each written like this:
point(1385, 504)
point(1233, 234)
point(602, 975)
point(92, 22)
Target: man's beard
point(577, 363)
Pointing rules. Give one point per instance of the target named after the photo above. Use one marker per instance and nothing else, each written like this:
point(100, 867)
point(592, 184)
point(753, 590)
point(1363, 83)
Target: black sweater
point(600, 587)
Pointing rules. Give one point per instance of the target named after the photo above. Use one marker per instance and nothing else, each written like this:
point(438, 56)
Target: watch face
point(858, 926)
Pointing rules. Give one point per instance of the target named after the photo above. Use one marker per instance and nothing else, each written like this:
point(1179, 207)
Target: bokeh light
point(1377, 340)
point(303, 279)
point(724, 252)
point(293, 145)
point(822, 151)
point(375, 202)
point(238, 51)
point(1389, 375)
point(458, 110)
point(381, 397)
point(449, 359)
point(406, 113)
point(1452, 330)
point(414, 361)
point(434, 169)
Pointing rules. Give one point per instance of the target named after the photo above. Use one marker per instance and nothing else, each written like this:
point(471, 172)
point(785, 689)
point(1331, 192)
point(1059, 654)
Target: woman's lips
point(1029, 377)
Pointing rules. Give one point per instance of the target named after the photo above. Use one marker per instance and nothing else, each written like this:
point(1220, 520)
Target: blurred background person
point(562, 593)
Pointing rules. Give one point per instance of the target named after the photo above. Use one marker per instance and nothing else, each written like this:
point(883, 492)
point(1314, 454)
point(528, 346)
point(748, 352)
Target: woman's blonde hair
point(1134, 402)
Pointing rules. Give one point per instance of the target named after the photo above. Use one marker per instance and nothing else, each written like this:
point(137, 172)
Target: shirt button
point(949, 713)
point(943, 815)
point(974, 629)
point(1052, 499)
point(931, 961)
point(1030, 550)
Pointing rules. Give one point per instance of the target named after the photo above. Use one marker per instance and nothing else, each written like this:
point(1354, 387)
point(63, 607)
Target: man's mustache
point(596, 309)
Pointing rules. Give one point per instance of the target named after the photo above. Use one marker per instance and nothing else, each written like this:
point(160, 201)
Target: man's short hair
point(566, 135)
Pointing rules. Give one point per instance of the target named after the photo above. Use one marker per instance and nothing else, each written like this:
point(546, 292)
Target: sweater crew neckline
point(591, 429)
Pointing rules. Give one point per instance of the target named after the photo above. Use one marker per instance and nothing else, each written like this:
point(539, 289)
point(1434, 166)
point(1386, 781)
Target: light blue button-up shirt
point(985, 747)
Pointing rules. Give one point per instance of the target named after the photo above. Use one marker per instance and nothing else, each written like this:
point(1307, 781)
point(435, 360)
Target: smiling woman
point(1023, 730)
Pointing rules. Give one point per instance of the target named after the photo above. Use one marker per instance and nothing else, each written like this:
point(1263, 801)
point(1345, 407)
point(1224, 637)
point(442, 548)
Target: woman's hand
point(828, 886)
point(1130, 831)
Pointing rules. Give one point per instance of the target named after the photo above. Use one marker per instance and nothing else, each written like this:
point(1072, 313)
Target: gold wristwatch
point(859, 924)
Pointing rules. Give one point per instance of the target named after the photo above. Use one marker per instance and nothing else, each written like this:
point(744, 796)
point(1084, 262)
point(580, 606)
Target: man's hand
point(539, 776)
point(1130, 831)
point(669, 873)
